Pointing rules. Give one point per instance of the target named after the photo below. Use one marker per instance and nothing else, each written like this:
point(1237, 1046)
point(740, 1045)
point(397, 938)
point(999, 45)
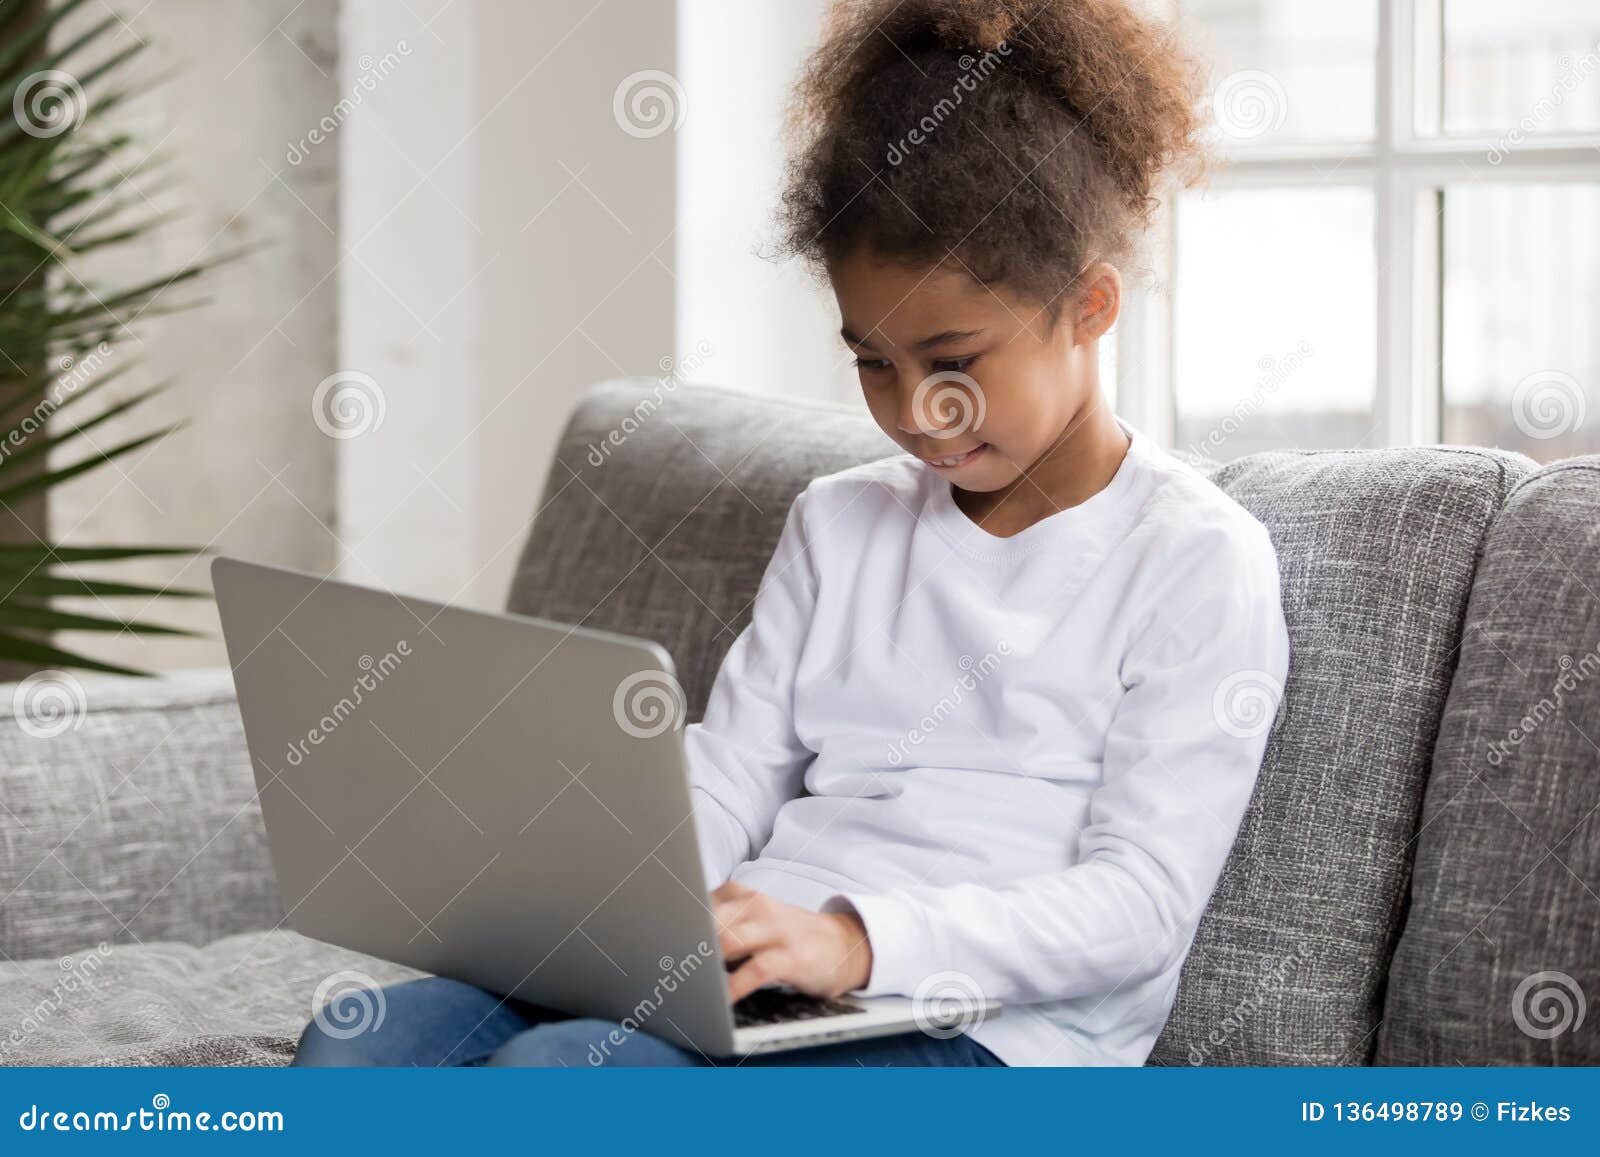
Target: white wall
point(248, 474)
point(508, 244)
point(408, 303)
point(770, 327)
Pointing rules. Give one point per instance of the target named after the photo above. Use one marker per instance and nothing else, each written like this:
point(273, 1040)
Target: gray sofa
point(1417, 881)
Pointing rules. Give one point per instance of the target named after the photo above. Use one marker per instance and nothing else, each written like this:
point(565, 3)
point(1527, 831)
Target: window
point(1404, 246)
point(1283, 355)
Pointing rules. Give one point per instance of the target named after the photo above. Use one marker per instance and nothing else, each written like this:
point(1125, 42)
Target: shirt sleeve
point(1202, 683)
point(745, 760)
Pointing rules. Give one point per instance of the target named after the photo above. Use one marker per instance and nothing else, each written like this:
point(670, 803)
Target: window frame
point(1407, 166)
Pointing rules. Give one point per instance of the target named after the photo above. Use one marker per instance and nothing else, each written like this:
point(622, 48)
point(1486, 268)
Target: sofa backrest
point(665, 503)
point(1499, 963)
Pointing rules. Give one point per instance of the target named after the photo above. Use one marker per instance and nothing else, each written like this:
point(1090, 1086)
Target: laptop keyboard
point(781, 1005)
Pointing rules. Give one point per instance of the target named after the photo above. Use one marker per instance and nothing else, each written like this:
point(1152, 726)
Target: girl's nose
point(913, 414)
point(906, 413)
point(929, 405)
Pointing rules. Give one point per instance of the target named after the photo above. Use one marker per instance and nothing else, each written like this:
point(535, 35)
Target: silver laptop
point(501, 800)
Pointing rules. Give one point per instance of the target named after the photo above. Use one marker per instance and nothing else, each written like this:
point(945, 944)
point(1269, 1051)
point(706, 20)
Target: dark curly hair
point(1024, 139)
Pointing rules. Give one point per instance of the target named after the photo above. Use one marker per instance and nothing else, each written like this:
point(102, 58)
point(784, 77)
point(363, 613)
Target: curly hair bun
point(1024, 137)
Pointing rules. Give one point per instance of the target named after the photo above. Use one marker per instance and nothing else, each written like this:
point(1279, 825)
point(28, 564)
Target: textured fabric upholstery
point(667, 535)
point(241, 1000)
point(1499, 962)
point(1376, 550)
point(138, 821)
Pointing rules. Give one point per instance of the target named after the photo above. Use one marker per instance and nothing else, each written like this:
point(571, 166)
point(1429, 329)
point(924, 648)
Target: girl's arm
point(1179, 770)
point(745, 761)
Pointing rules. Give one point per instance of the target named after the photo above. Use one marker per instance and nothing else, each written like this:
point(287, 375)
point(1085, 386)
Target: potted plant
point(70, 185)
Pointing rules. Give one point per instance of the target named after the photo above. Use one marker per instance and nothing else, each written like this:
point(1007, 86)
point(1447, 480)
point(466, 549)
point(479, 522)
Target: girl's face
point(977, 382)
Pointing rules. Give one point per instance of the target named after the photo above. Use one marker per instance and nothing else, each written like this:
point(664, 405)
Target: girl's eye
point(871, 364)
point(953, 365)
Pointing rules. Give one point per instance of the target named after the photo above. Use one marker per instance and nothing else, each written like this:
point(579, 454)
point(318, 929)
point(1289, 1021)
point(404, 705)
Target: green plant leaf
point(29, 395)
point(38, 445)
point(100, 458)
point(71, 586)
point(16, 649)
point(30, 556)
point(19, 51)
point(85, 188)
point(28, 617)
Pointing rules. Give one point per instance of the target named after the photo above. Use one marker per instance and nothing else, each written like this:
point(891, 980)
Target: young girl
point(979, 735)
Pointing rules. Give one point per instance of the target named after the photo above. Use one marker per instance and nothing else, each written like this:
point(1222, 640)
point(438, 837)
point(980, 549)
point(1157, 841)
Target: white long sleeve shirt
point(1022, 761)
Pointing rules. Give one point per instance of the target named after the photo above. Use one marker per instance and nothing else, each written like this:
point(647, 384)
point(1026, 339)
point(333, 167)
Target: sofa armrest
point(128, 813)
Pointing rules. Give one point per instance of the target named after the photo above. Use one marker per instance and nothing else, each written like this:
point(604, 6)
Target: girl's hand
point(770, 942)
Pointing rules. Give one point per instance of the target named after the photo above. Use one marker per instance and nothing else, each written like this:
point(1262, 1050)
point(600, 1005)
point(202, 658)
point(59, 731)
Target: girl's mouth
point(956, 461)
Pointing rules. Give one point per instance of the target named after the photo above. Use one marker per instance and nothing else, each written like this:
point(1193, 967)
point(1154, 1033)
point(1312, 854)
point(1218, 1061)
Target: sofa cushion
point(127, 812)
point(1499, 962)
point(668, 533)
point(242, 1000)
point(1376, 550)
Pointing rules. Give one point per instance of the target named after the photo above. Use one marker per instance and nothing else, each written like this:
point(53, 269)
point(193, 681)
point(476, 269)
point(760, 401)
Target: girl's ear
point(1098, 303)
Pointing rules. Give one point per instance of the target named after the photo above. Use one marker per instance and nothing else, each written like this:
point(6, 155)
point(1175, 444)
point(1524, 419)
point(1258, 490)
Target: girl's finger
point(742, 938)
point(735, 909)
point(764, 968)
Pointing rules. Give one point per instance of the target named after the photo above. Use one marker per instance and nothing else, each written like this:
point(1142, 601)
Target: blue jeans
point(445, 1022)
